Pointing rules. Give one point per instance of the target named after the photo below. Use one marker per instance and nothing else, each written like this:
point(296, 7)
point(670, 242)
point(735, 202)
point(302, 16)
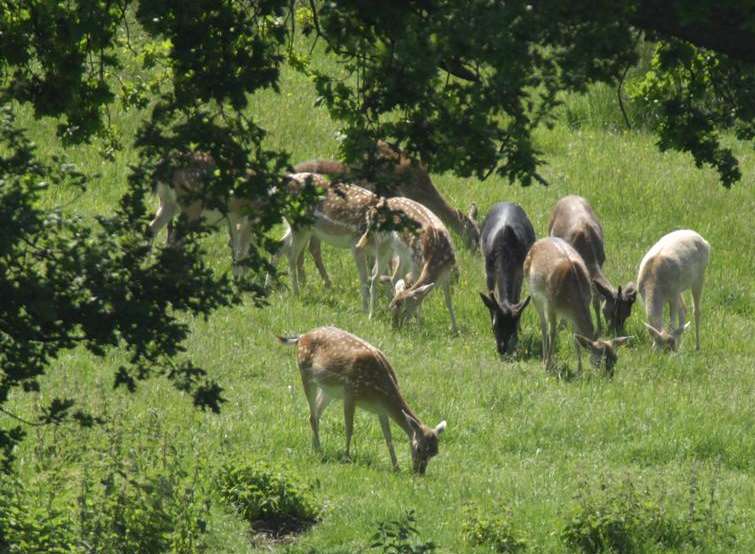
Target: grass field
point(518, 440)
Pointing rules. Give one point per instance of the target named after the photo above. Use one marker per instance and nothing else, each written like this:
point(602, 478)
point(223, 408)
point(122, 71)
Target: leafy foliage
point(694, 94)
point(268, 499)
point(400, 536)
point(620, 517)
point(494, 530)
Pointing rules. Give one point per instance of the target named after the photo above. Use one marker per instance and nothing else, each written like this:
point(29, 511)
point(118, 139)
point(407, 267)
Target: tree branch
point(722, 30)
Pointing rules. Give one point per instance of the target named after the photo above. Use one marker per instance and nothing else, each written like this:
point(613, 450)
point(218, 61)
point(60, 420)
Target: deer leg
point(596, 307)
point(317, 401)
point(447, 296)
point(579, 355)
point(543, 328)
point(349, 407)
point(359, 258)
point(382, 257)
point(697, 291)
point(553, 329)
point(314, 250)
point(386, 427)
point(240, 234)
point(300, 238)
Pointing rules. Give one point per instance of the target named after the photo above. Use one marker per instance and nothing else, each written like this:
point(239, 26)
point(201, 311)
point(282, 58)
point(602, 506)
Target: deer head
point(602, 350)
point(406, 301)
point(617, 305)
point(424, 442)
point(505, 321)
point(663, 340)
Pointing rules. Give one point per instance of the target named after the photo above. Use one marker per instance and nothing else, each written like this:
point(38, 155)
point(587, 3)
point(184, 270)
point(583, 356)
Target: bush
point(30, 523)
point(267, 499)
point(620, 518)
point(493, 530)
point(400, 536)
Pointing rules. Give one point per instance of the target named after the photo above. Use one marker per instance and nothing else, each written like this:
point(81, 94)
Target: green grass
point(516, 436)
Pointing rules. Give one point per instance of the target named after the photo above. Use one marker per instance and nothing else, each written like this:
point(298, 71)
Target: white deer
point(336, 364)
point(674, 264)
point(560, 286)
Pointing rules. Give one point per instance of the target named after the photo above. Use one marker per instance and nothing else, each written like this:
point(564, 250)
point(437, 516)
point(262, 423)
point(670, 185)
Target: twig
point(621, 102)
point(22, 420)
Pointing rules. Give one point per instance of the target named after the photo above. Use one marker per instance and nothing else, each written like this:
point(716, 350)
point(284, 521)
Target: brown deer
point(426, 252)
point(559, 284)
point(410, 179)
point(674, 264)
point(336, 364)
point(340, 219)
point(574, 220)
point(183, 194)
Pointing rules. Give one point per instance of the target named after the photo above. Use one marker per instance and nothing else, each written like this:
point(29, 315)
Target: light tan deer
point(574, 221)
point(428, 254)
point(410, 180)
point(337, 364)
point(560, 286)
point(340, 219)
point(674, 264)
point(183, 194)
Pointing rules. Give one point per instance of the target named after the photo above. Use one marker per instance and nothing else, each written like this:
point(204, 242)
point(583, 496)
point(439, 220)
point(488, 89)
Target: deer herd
point(563, 273)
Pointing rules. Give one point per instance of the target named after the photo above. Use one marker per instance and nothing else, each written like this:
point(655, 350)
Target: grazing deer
point(411, 180)
point(574, 221)
point(674, 264)
point(183, 194)
point(507, 236)
point(428, 252)
point(340, 219)
point(560, 286)
point(337, 364)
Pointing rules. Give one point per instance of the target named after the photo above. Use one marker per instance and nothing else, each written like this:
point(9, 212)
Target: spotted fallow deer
point(427, 252)
point(674, 264)
point(410, 179)
point(336, 364)
point(183, 194)
point(559, 283)
point(340, 219)
point(507, 236)
point(574, 220)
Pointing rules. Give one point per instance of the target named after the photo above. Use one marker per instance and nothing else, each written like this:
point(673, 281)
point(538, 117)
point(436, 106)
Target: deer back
point(558, 276)
point(507, 236)
point(574, 220)
point(340, 359)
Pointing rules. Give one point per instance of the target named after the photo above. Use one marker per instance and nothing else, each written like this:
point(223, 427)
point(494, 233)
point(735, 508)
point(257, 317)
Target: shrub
point(267, 499)
point(620, 518)
point(30, 523)
point(400, 536)
point(495, 531)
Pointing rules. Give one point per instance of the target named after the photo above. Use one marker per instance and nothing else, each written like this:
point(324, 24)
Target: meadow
point(520, 442)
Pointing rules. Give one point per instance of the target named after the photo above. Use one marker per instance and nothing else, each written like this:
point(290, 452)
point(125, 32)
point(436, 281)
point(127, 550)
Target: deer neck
point(396, 413)
point(654, 307)
point(506, 278)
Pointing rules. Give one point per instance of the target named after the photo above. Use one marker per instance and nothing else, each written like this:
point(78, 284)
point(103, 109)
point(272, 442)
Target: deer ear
point(653, 331)
point(400, 286)
point(584, 341)
point(603, 290)
point(472, 212)
point(440, 427)
point(421, 292)
point(517, 308)
point(412, 422)
point(620, 341)
point(488, 301)
point(630, 292)
point(679, 330)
